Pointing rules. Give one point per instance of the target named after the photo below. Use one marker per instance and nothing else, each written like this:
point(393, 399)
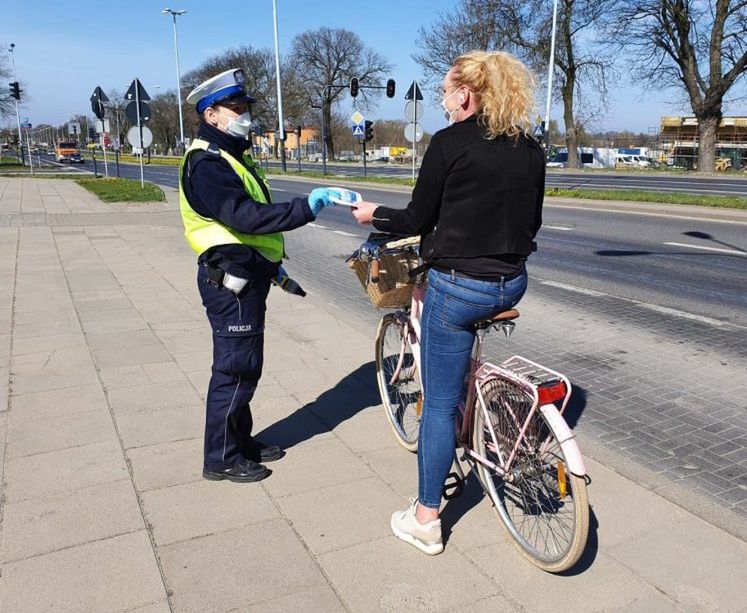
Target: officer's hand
point(321, 197)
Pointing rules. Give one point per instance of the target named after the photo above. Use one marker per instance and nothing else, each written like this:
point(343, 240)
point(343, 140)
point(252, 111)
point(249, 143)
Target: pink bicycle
point(510, 430)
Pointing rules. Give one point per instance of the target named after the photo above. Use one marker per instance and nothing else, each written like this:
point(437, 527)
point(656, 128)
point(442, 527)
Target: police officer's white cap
point(228, 84)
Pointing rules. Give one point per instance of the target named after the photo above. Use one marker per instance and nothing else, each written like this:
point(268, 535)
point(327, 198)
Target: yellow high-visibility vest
point(203, 232)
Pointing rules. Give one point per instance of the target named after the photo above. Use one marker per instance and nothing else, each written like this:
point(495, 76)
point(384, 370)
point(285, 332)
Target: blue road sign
point(357, 130)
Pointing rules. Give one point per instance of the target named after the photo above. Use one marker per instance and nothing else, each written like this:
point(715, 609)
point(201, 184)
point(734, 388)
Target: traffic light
point(298, 131)
point(15, 91)
point(98, 108)
point(390, 88)
point(369, 130)
point(354, 87)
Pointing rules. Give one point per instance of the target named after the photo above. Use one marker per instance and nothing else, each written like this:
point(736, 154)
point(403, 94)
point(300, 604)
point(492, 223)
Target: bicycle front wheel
point(544, 507)
point(399, 382)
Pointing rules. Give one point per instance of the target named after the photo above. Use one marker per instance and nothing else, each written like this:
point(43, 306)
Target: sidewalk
point(105, 359)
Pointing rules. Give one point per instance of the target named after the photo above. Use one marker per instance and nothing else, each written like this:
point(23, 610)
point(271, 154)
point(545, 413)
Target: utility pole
point(550, 72)
point(18, 115)
point(281, 127)
point(174, 14)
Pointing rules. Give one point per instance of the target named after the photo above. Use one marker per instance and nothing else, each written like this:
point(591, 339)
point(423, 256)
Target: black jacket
point(214, 190)
point(474, 197)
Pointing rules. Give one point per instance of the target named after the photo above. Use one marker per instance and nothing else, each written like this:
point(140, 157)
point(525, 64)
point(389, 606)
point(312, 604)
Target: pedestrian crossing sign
point(357, 130)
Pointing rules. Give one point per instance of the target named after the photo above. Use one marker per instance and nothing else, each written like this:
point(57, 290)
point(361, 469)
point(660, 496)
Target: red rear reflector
point(551, 393)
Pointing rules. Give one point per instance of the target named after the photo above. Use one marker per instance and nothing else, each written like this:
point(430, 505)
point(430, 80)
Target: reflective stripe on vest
point(202, 232)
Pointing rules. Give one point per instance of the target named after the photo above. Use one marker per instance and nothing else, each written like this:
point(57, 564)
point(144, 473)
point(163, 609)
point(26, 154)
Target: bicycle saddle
point(503, 316)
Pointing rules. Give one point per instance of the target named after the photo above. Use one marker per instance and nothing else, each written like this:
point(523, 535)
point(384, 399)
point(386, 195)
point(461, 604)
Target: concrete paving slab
point(165, 464)
point(316, 599)
point(232, 570)
point(604, 585)
point(50, 370)
point(405, 578)
point(135, 347)
point(339, 516)
point(611, 497)
point(190, 510)
point(162, 606)
point(54, 404)
point(320, 463)
point(50, 473)
point(715, 580)
point(31, 437)
point(160, 424)
point(367, 430)
point(154, 396)
point(142, 374)
point(38, 526)
point(396, 467)
point(49, 342)
point(89, 577)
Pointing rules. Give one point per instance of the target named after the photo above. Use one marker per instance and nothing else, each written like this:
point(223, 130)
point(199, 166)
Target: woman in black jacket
point(477, 205)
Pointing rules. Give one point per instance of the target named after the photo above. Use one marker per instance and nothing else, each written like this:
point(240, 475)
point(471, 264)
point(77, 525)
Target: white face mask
point(450, 115)
point(239, 126)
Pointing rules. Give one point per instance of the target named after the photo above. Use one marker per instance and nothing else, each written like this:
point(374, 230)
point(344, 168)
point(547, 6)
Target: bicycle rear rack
point(545, 385)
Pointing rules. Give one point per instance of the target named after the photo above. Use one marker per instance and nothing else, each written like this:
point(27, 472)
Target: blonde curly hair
point(504, 88)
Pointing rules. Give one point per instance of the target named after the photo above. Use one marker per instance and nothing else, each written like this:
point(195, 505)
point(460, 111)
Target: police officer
point(236, 230)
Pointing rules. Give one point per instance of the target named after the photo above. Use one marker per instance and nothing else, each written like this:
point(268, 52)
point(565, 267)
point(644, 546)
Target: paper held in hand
point(346, 197)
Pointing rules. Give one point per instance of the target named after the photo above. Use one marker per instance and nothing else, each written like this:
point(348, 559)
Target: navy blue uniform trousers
point(238, 323)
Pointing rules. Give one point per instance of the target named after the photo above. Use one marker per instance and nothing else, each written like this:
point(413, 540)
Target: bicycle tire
point(546, 512)
point(403, 399)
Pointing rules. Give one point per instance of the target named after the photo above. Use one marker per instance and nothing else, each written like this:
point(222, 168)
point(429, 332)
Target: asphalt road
point(667, 182)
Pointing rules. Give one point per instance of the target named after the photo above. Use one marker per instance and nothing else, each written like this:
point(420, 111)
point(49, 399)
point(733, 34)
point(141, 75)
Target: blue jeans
point(452, 304)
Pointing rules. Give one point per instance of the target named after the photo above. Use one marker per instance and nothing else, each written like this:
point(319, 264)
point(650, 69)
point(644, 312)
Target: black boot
point(259, 452)
point(246, 472)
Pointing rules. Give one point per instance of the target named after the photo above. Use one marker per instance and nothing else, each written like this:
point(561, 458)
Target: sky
point(64, 50)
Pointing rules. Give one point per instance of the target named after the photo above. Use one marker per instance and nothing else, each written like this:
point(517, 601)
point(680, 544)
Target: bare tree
point(6, 101)
point(696, 45)
point(523, 27)
point(332, 57)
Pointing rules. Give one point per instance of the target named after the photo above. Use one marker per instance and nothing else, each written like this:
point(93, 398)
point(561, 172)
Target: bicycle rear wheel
point(545, 509)
point(402, 398)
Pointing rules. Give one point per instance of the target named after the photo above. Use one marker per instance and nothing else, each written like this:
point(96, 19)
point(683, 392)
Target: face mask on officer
point(239, 125)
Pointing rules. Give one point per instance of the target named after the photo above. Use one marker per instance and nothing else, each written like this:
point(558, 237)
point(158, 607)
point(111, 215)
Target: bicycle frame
point(479, 374)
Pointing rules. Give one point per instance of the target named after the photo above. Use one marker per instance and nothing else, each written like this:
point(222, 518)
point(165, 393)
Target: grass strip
point(729, 202)
point(122, 190)
point(160, 161)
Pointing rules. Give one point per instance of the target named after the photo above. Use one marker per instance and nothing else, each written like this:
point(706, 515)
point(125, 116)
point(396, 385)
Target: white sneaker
point(426, 537)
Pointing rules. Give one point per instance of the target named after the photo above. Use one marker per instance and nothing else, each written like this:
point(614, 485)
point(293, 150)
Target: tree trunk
point(707, 135)
point(571, 139)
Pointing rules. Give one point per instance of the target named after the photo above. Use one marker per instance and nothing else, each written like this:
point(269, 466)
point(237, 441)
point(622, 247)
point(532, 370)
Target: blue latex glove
point(321, 197)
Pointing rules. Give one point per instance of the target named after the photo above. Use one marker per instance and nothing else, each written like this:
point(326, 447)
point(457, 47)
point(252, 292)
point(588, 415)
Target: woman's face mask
point(451, 114)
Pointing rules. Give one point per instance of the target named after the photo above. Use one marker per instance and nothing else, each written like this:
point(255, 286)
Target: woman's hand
point(363, 212)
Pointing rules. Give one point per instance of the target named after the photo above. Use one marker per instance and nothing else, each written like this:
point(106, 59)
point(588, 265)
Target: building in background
point(678, 141)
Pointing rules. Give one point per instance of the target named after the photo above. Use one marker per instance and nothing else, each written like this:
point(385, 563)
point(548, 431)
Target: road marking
point(646, 305)
point(317, 225)
point(341, 233)
point(573, 288)
point(683, 314)
point(716, 249)
point(556, 227)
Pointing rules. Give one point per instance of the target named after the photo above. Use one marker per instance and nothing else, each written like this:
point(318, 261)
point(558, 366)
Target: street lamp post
point(174, 14)
point(281, 127)
point(550, 71)
point(18, 116)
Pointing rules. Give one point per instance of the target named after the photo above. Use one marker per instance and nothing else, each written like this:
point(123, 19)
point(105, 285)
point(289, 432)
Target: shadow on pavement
point(575, 408)
point(352, 394)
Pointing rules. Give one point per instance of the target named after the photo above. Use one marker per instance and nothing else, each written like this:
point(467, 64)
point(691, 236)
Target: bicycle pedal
point(454, 488)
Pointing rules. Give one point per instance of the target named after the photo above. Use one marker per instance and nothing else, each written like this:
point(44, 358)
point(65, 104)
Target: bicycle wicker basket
point(396, 260)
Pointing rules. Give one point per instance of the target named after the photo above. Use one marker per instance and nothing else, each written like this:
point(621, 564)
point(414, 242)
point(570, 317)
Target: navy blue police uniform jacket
point(215, 191)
